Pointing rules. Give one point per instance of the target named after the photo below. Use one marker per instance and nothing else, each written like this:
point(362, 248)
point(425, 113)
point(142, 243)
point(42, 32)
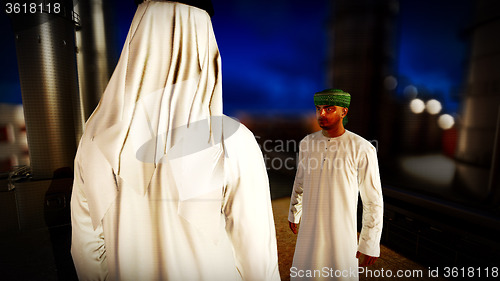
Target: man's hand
point(293, 227)
point(365, 260)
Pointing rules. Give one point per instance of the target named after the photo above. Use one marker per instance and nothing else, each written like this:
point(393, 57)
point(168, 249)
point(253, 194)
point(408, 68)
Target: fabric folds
point(166, 187)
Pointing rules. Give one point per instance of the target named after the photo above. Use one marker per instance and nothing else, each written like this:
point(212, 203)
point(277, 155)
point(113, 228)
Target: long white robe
point(330, 175)
point(166, 187)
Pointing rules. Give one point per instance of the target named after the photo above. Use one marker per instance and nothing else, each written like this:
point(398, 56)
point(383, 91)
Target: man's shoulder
point(240, 144)
point(236, 133)
point(311, 136)
point(360, 141)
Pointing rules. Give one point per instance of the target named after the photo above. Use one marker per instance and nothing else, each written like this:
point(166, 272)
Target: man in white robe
point(334, 166)
point(166, 187)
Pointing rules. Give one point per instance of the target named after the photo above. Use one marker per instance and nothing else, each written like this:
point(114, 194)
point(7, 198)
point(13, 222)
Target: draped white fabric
point(331, 173)
point(166, 187)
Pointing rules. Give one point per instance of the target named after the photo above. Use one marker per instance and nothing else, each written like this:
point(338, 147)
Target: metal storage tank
point(362, 55)
point(478, 143)
point(45, 45)
point(95, 56)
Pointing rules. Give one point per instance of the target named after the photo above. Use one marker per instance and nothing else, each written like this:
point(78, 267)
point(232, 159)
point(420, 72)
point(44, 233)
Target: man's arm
point(248, 210)
point(295, 212)
point(370, 190)
point(87, 245)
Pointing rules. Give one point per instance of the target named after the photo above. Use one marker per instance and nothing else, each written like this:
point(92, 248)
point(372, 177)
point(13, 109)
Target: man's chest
point(330, 159)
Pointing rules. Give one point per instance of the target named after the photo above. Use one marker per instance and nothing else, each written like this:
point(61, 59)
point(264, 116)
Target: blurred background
point(425, 88)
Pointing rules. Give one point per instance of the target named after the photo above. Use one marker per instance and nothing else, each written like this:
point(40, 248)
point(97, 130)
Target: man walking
point(334, 166)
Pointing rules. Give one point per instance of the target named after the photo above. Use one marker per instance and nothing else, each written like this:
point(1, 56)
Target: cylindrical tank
point(96, 59)
point(45, 45)
point(362, 54)
point(481, 103)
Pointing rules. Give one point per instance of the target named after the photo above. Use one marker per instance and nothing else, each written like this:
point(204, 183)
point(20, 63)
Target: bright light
point(390, 82)
point(433, 106)
point(410, 92)
point(417, 106)
point(446, 121)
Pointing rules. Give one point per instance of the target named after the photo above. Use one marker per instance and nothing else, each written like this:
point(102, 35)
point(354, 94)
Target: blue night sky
point(274, 52)
point(433, 48)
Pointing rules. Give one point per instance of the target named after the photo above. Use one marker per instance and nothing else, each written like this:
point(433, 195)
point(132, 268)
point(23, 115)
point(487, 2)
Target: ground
point(389, 263)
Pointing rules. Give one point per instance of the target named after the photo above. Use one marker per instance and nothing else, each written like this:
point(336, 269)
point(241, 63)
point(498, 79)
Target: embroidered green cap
point(335, 97)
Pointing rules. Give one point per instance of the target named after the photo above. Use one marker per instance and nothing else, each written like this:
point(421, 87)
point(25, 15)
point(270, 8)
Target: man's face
point(329, 116)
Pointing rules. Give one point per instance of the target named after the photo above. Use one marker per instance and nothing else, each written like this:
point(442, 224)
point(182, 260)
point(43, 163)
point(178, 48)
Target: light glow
point(446, 121)
point(433, 106)
point(410, 91)
point(417, 106)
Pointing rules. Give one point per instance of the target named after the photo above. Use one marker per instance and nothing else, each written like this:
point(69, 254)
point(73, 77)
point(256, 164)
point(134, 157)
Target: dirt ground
point(389, 263)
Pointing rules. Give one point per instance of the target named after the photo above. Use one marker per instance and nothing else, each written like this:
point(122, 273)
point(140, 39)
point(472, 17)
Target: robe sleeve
point(87, 245)
point(248, 211)
point(373, 207)
point(295, 212)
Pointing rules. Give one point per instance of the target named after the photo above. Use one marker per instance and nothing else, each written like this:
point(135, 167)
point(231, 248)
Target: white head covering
point(159, 102)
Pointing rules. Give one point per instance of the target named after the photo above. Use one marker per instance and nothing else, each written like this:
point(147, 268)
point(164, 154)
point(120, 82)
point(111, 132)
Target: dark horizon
point(275, 55)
